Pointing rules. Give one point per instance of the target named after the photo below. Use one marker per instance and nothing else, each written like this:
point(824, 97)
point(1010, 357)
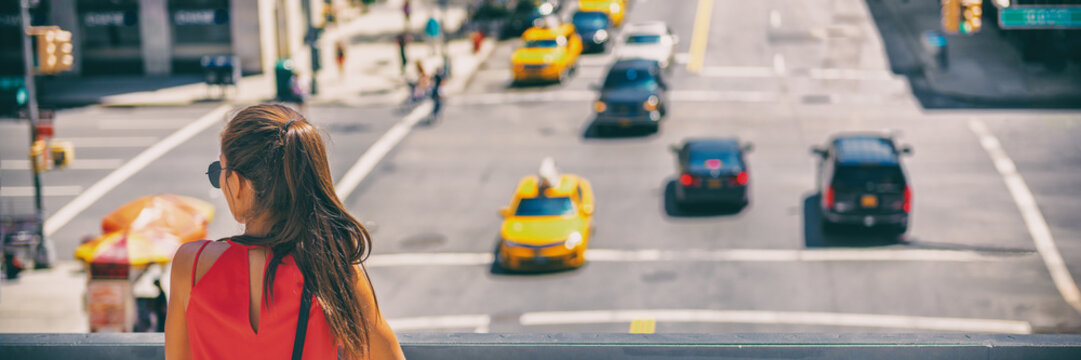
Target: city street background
point(783, 75)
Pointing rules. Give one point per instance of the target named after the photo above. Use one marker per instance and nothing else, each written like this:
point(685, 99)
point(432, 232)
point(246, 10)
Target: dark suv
point(712, 170)
point(861, 182)
point(633, 95)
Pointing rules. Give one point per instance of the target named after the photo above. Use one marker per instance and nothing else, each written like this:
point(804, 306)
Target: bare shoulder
point(186, 255)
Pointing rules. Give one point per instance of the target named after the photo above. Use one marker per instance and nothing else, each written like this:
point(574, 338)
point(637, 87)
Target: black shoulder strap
point(302, 323)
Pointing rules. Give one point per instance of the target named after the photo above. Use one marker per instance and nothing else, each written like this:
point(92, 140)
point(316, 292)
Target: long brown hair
point(283, 156)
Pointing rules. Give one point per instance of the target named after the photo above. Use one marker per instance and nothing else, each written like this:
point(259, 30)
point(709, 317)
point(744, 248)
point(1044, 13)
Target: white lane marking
point(586, 96)
point(738, 72)
point(779, 317)
point(726, 96)
point(1030, 211)
point(49, 191)
point(730, 255)
point(108, 142)
point(118, 176)
point(428, 259)
point(479, 323)
point(77, 164)
point(379, 149)
point(781, 255)
point(850, 74)
point(129, 124)
point(778, 64)
point(774, 19)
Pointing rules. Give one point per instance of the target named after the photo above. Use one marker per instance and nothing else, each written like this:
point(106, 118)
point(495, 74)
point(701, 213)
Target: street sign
point(1040, 17)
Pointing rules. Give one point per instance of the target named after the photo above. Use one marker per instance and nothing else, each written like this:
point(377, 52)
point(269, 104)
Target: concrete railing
point(610, 346)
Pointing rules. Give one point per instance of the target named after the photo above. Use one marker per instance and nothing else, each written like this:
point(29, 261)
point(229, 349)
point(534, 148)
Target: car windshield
point(857, 177)
point(643, 39)
point(703, 161)
point(590, 20)
point(548, 43)
point(623, 78)
point(545, 206)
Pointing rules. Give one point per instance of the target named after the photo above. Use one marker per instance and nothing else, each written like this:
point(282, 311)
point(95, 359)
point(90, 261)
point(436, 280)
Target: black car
point(595, 29)
point(861, 182)
point(633, 95)
point(712, 170)
point(525, 15)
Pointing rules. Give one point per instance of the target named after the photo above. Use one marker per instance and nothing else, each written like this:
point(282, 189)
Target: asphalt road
point(783, 75)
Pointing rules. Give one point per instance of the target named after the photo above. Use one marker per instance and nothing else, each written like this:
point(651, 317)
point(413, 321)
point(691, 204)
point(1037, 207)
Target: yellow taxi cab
point(548, 223)
point(549, 54)
point(616, 9)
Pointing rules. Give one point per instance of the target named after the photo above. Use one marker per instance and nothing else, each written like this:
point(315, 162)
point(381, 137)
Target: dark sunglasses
point(214, 173)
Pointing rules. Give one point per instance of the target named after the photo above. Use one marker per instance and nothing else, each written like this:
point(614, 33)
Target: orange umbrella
point(130, 247)
point(148, 230)
point(184, 216)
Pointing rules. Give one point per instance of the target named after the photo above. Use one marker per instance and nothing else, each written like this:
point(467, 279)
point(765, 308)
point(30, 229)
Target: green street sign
point(1040, 17)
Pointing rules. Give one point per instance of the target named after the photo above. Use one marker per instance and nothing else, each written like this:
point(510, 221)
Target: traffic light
point(951, 16)
point(972, 16)
point(62, 153)
point(13, 95)
point(54, 49)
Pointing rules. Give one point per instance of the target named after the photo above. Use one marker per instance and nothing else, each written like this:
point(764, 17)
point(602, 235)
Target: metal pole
point(32, 112)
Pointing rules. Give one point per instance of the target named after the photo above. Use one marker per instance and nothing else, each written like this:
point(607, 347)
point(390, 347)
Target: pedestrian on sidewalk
point(403, 40)
point(294, 281)
point(407, 10)
point(340, 52)
point(437, 95)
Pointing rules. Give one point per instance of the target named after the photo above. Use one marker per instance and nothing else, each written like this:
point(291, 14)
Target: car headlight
point(1002, 3)
point(651, 104)
point(600, 36)
point(573, 241)
point(600, 106)
point(614, 8)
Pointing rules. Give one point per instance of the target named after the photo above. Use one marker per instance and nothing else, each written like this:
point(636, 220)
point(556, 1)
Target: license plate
point(624, 122)
point(714, 183)
point(869, 201)
point(541, 260)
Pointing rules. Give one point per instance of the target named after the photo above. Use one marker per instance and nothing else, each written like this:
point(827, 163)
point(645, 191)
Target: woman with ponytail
point(293, 284)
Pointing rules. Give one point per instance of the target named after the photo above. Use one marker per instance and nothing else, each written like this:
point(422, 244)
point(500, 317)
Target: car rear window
point(550, 43)
point(884, 178)
point(545, 206)
point(643, 39)
point(590, 20)
point(701, 160)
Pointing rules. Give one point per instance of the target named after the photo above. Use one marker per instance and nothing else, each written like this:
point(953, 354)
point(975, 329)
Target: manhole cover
point(346, 128)
point(659, 276)
point(423, 241)
point(816, 99)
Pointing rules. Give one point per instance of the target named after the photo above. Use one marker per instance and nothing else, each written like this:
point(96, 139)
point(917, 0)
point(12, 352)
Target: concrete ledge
point(611, 346)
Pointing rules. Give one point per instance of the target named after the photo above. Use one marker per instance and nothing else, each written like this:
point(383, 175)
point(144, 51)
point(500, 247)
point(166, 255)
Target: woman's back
point(222, 322)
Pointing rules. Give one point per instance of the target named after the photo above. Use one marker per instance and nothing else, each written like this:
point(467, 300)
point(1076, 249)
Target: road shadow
point(675, 210)
point(907, 58)
point(496, 269)
point(854, 236)
point(593, 130)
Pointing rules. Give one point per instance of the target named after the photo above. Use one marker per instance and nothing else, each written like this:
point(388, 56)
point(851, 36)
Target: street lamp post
point(32, 113)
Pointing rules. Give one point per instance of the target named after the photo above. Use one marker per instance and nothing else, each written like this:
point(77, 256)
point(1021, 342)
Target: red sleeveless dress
point(217, 314)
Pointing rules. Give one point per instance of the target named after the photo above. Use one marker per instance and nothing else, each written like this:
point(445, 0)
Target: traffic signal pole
point(32, 113)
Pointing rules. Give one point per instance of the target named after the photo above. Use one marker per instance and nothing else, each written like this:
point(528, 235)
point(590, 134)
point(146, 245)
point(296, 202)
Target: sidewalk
point(983, 67)
point(372, 72)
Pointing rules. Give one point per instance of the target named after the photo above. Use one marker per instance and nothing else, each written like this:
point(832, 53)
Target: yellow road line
point(643, 326)
point(700, 38)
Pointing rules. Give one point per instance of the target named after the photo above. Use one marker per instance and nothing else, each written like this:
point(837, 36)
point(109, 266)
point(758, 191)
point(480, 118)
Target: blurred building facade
point(165, 37)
